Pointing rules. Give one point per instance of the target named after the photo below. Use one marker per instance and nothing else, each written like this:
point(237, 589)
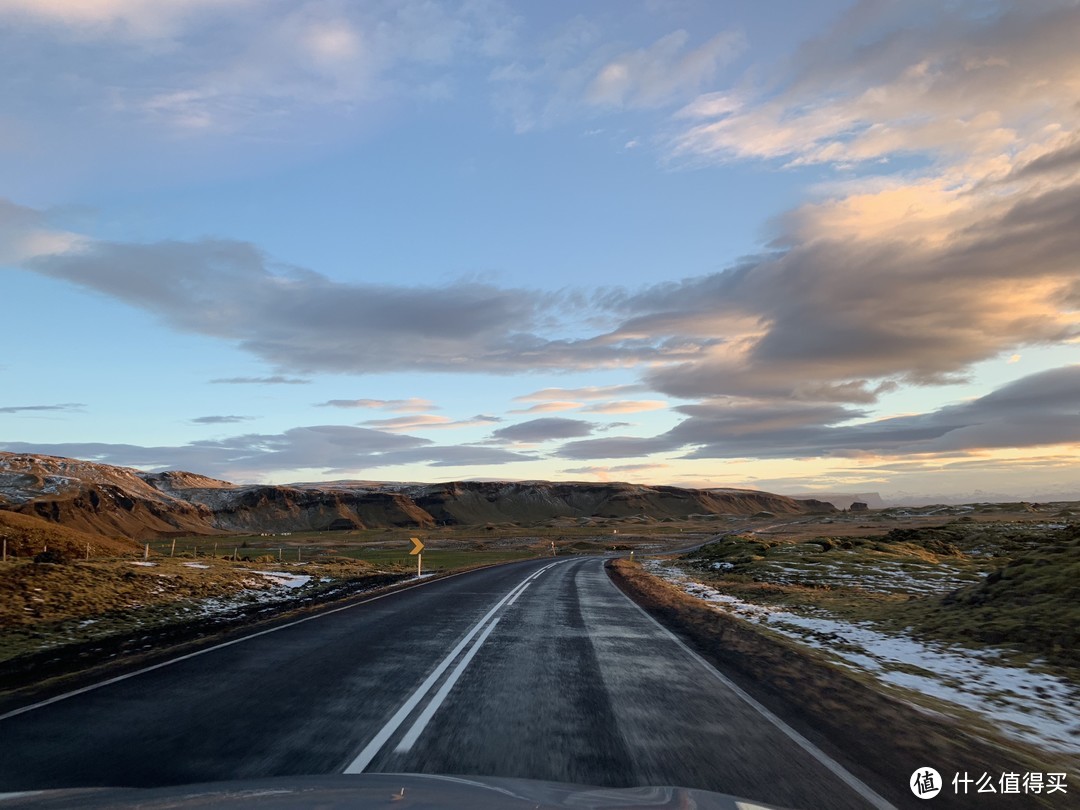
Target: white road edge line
point(838, 770)
point(413, 734)
point(171, 661)
point(364, 758)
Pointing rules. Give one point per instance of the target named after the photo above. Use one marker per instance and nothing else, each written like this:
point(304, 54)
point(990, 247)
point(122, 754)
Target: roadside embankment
point(881, 737)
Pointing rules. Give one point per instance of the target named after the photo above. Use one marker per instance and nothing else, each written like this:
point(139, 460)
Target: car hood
point(391, 791)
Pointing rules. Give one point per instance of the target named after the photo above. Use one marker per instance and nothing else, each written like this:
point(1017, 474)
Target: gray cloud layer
point(333, 449)
point(542, 430)
point(65, 406)
point(1039, 409)
point(220, 420)
point(302, 321)
point(276, 379)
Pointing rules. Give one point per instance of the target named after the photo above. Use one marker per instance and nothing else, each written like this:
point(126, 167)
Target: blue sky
point(791, 246)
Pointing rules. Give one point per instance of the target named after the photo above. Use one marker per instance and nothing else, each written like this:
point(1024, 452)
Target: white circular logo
point(925, 783)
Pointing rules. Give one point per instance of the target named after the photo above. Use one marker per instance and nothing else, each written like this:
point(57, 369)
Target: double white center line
point(365, 757)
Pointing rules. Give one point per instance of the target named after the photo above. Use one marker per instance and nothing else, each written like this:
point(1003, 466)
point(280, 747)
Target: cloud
point(906, 277)
point(616, 447)
point(276, 379)
point(200, 68)
point(27, 232)
point(413, 404)
point(663, 72)
point(302, 321)
point(958, 80)
point(427, 421)
point(1040, 409)
point(333, 449)
point(548, 407)
point(121, 18)
point(66, 406)
point(220, 420)
point(860, 299)
point(589, 392)
point(575, 71)
point(627, 406)
point(604, 473)
point(613, 426)
point(544, 429)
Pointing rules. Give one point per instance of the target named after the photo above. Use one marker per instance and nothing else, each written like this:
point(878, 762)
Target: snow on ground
point(143, 563)
point(284, 579)
point(195, 565)
point(881, 576)
point(1020, 702)
point(283, 587)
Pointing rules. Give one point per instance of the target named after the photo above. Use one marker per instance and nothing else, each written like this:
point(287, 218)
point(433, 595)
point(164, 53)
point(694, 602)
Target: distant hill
point(844, 500)
point(106, 500)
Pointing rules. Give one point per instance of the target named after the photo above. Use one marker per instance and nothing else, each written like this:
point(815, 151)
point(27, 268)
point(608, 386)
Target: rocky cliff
point(107, 500)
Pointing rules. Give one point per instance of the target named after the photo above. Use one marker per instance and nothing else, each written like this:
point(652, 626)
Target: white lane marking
point(519, 593)
point(838, 770)
point(171, 661)
point(364, 758)
point(413, 734)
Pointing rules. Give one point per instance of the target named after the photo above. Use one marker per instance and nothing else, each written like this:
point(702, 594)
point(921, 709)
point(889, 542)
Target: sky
point(800, 247)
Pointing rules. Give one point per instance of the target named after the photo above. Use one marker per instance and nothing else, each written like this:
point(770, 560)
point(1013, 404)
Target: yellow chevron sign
point(417, 545)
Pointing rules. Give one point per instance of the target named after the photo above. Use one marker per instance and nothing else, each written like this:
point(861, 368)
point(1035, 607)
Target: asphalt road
point(539, 669)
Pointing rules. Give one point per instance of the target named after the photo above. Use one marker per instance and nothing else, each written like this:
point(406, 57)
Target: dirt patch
point(883, 739)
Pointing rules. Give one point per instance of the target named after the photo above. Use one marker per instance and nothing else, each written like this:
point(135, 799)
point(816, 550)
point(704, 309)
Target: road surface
point(540, 669)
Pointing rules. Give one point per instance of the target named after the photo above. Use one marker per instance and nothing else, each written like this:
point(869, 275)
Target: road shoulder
point(880, 738)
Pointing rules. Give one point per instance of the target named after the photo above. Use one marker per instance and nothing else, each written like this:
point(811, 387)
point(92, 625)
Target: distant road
point(540, 669)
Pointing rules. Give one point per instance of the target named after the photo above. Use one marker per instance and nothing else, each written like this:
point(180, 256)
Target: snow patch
point(284, 579)
point(1020, 702)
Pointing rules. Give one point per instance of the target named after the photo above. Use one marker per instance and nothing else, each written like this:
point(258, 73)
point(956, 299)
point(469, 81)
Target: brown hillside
point(27, 535)
point(107, 500)
point(100, 499)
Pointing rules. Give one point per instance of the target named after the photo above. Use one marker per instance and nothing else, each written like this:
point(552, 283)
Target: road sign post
point(418, 547)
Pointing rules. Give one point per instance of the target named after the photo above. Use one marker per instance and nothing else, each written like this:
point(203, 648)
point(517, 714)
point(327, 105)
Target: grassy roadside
point(1012, 584)
point(62, 618)
point(883, 738)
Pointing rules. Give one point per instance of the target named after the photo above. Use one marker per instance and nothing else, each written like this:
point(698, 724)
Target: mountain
point(843, 500)
point(106, 500)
